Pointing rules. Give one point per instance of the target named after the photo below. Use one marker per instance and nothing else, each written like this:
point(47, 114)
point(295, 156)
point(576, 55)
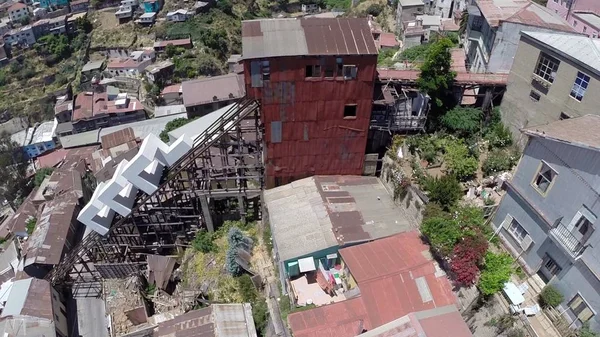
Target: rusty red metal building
point(314, 79)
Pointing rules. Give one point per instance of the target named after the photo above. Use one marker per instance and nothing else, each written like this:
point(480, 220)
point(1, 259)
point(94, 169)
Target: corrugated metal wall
point(315, 137)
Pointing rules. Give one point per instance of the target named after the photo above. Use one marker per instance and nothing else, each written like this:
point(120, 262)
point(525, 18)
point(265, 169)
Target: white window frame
point(583, 213)
point(578, 89)
point(539, 174)
point(546, 67)
point(517, 231)
point(587, 307)
point(350, 71)
point(511, 225)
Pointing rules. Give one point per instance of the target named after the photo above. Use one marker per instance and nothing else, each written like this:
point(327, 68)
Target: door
point(549, 268)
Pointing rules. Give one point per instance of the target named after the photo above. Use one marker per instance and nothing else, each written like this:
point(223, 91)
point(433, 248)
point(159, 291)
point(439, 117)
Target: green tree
point(204, 242)
point(170, 50)
point(41, 174)
point(458, 160)
point(172, 125)
point(496, 271)
point(30, 225)
point(464, 122)
point(498, 135)
point(445, 190)
point(416, 53)
point(499, 160)
point(13, 176)
point(550, 297)
point(586, 331)
point(464, 22)
point(436, 78)
point(442, 234)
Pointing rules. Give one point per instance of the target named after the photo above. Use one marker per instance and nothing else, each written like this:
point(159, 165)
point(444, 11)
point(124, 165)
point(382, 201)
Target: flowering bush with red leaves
point(468, 255)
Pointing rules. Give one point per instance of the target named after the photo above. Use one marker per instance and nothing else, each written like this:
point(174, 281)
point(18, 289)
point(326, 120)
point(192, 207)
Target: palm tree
point(464, 20)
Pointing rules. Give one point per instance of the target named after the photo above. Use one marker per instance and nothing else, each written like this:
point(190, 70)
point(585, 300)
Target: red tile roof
point(51, 159)
point(396, 276)
point(83, 106)
point(117, 138)
point(17, 6)
point(171, 89)
point(388, 40)
point(538, 16)
point(342, 319)
point(450, 324)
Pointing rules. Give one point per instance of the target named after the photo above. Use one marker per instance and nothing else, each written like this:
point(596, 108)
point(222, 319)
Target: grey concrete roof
point(577, 47)
point(35, 327)
point(578, 131)
point(591, 18)
point(44, 132)
point(234, 320)
point(197, 126)
point(22, 137)
point(299, 221)
point(168, 110)
point(92, 66)
point(320, 212)
point(430, 20)
point(141, 129)
point(90, 317)
point(405, 3)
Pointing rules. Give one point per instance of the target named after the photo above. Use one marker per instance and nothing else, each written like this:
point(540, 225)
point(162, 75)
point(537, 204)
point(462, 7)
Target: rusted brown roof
point(193, 323)
point(213, 89)
point(117, 138)
point(48, 240)
point(307, 36)
point(30, 297)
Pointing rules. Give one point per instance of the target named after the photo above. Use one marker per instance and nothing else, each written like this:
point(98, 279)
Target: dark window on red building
point(350, 72)
point(350, 111)
point(328, 70)
point(266, 71)
point(313, 70)
point(340, 67)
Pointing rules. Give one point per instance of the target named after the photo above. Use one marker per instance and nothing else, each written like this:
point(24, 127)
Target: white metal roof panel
point(578, 47)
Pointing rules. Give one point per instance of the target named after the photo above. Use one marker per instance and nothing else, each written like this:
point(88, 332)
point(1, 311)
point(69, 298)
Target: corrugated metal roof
point(213, 89)
point(199, 125)
point(161, 111)
point(578, 47)
point(591, 18)
point(141, 129)
point(579, 131)
point(536, 15)
point(234, 320)
point(16, 300)
point(406, 3)
point(306, 36)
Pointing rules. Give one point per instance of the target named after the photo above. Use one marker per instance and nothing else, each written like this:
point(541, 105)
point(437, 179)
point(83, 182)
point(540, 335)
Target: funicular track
point(224, 162)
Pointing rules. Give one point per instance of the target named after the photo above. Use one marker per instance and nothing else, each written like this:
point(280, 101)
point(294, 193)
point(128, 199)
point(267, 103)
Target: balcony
point(572, 244)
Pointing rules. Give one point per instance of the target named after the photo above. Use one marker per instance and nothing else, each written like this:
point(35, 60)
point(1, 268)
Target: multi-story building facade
point(408, 10)
point(582, 15)
point(18, 12)
point(493, 31)
point(554, 76)
point(549, 215)
point(316, 94)
point(586, 23)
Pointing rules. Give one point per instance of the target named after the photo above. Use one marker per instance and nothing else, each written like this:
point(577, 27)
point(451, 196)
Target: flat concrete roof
point(321, 212)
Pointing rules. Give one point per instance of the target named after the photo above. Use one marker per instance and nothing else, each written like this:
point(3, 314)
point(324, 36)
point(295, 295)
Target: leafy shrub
point(442, 234)
point(235, 237)
point(41, 174)
point(247, 289)
point(459, 161)
point(498, 136)
point(496, 271)
point(375, 9)
point(586, 331)
point(30, 225)
point(204, 242)
point(434, 210)
point(468, 255)
point(231, 264)
point(499, 160)
point(415, 53)
point(515, 332)
point(260, 314)
point(550, 297)
point(172, 125)
point(445, 190)
point(462, 121)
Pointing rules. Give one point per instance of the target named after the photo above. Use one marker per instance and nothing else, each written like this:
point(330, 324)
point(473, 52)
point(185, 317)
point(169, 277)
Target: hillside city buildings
point(294, 130)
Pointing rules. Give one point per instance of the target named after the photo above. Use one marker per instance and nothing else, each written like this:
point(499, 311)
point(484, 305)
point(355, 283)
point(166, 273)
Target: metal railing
point(572, 244)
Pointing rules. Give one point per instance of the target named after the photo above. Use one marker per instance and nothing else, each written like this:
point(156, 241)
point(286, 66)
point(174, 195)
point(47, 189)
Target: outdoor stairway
point(244, 108)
